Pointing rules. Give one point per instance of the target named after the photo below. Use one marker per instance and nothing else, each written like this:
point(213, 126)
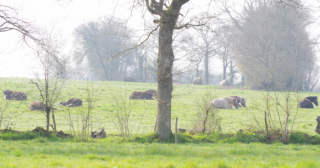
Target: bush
point(302, 138)
point(14, 136)
point(297, 137)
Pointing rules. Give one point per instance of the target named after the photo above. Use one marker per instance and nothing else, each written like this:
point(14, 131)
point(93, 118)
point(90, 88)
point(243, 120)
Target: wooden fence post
point(176, 136)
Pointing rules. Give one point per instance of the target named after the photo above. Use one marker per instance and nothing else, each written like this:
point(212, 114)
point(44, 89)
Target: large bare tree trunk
point(165, 62)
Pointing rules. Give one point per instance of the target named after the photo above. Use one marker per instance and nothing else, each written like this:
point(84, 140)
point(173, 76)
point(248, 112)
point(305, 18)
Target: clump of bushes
point(303, 138)
point(239, 137)
point(12, 135)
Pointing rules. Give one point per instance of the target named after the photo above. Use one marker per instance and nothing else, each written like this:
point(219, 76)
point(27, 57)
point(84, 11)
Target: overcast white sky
point(16, 59)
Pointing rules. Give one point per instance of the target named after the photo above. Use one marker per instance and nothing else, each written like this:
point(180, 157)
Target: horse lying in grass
point(10, 95)
point(147, 95)
point(224, 103)
point(307, 102)
point(240, 100)
point(73, 102)
point(39, 106)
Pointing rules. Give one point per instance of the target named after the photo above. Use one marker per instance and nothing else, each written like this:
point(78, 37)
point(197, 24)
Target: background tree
point(224, 39)
point(206, 47)
point(99, 42)
point(271, 45)
point(51, 75)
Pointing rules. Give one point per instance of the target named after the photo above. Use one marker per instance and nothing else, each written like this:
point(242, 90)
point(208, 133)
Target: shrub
point(14, 136)
point(297, 137)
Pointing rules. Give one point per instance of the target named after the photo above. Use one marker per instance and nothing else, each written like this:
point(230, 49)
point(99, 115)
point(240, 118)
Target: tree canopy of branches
point(207, 48)
point(99, 42)
point(10, 20)
point(51, 78)
point(272, 46)
point(224, 39)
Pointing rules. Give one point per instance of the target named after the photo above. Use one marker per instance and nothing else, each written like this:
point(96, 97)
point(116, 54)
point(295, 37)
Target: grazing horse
point(307, 102)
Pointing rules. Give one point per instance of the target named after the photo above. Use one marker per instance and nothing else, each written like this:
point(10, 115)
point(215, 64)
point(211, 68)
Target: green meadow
point(144, 112)
point(44, 151)
point(102, 153)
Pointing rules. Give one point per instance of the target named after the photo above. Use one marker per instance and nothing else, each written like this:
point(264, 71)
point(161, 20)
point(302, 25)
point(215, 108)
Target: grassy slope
point(145, 111)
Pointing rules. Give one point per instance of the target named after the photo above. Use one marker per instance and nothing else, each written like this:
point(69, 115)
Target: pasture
point(112, 152)
point(143, 116)
point(43, 153)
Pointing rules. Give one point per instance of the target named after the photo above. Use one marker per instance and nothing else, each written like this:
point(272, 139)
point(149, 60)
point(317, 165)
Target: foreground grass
point(109, 153)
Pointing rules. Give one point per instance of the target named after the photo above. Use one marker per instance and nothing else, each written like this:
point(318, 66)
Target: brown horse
point(147, 95)
point(307, 102)
point(74, 102)
point(10, 95)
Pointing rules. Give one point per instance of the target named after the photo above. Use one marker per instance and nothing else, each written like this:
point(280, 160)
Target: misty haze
point(159, 83)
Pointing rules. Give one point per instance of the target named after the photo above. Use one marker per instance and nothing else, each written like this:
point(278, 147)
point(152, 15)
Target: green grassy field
point(102, 153)
point(144, 111)
point(111, 152)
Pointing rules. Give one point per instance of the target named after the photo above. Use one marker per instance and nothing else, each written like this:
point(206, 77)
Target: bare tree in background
point(98, 42)
point(206, 46)
point(271, 45)
point(224, 52)
point(311, 79)
point(52, 77)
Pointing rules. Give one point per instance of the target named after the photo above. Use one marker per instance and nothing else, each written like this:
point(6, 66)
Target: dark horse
point(307, 102)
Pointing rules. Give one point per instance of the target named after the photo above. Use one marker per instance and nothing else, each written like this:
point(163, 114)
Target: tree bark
point(231, 74)
point(140, 60)
point(54, 121)
point(242, 80)
point(165, 62)
point(206, 66)
point(224, 64)
point(48, 118)
point(224, 71)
